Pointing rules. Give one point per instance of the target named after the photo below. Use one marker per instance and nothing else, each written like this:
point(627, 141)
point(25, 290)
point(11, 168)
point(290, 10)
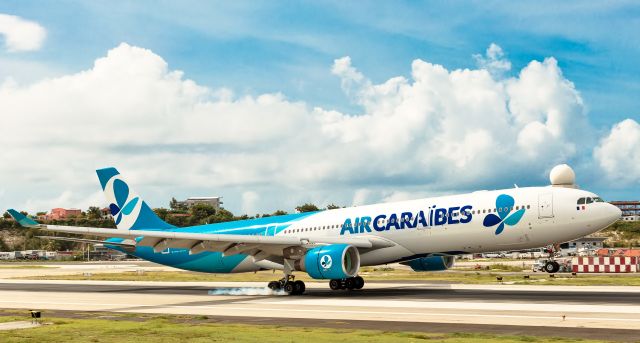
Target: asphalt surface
point(414, 293)
point(592, 313)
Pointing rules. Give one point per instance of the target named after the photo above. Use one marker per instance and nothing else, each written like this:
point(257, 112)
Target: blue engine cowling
point(336, 261)
point(431, 263)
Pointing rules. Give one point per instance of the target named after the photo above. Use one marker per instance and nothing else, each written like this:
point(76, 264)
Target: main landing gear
point(348, 283)
point(288, 284)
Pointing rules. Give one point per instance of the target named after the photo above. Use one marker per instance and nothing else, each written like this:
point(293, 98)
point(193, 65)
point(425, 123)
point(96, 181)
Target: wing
point(229, 244)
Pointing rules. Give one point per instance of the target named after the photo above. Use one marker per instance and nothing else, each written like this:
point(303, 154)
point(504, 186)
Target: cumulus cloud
point(21, 34)
point(619, 153)
point(437, 130)
point(493, 61)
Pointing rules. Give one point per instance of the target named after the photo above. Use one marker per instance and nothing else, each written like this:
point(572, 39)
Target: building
point(63, 213)
point(584, 243)
point(215, 202)
point(106, 213)
point(630, 209)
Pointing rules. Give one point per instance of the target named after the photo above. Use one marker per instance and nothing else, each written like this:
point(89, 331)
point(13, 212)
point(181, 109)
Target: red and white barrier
point(609, 264)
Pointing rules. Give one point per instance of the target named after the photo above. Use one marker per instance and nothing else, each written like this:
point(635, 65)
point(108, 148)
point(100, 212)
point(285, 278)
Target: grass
point(370, 274)
point(167, 328)
point(25, 267)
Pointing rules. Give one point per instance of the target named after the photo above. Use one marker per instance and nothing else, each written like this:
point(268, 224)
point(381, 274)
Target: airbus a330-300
point(425, 234)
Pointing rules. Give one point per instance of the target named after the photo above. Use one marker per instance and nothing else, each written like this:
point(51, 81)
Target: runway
point(606, 312)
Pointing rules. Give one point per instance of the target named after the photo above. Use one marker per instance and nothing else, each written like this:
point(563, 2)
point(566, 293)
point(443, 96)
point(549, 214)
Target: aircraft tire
point(349, 283)
point(359, 282)
point(335, 284)
point(551, 267)
point(290, 288)
point(274, 285)
point(299, 287)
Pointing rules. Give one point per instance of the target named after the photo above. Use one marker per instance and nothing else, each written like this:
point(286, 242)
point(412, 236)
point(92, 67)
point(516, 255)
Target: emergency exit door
point(545, 205)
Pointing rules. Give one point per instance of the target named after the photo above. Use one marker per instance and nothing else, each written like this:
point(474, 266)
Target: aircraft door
point(545, 205)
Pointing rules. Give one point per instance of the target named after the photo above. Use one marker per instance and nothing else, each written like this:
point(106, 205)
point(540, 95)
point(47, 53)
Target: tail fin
point(129, 211)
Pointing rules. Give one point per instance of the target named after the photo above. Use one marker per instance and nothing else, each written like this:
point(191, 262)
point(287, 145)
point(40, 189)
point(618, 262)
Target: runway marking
point(386, 313)
point(460, 305)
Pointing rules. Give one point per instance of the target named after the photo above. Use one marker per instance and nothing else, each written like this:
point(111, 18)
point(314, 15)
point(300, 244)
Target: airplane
point(425, 234)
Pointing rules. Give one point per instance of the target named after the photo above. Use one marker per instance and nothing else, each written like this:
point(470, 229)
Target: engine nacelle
point(336, 261)
point(431, 263)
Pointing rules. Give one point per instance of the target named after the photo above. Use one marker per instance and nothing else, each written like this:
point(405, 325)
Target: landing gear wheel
point(274, 285)
point(289, 287)
point(358, 282)
point(335, 284)
point(349, 283)
point(551, 267)
point(299, 287)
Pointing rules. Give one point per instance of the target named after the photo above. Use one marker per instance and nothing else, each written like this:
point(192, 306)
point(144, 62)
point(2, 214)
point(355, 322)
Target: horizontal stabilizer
point(22, 219)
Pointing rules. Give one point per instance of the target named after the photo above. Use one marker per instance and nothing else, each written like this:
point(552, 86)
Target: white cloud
point(493, 61)
point(250, 202)
point(619, 153)
point(21, 34)
point(438, 130)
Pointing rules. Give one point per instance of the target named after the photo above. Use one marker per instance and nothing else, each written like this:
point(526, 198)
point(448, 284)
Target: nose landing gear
point(348, 283)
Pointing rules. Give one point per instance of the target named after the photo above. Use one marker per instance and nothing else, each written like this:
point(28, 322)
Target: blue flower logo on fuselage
point(122, 206)
point(504, 204)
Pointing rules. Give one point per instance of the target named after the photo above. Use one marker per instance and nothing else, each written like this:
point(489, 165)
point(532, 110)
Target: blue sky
point(259, 47)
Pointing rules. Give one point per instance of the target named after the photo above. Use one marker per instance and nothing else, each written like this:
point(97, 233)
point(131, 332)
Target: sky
point(274, 104)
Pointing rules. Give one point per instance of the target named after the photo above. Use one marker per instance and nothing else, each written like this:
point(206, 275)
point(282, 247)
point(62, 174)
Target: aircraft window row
point(406, 220)
point(589, 200)
point(500, 209)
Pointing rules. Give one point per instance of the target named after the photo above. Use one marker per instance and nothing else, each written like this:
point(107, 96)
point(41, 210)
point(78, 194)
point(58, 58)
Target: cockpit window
point(581, 201)
point(598, 199)
point(589, 200)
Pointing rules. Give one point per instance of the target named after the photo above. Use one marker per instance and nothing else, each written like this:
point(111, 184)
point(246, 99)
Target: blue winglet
point(22, 219)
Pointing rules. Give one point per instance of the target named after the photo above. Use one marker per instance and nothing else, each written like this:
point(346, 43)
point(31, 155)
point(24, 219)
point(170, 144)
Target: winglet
point(22, 219)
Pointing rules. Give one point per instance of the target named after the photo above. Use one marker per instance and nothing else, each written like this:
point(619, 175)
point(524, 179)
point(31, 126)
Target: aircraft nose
point(614, 212)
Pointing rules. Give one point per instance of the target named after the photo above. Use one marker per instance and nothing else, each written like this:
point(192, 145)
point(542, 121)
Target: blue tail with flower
point(129, 211)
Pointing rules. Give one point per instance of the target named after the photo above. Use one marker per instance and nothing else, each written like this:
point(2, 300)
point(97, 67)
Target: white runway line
point(460, 305)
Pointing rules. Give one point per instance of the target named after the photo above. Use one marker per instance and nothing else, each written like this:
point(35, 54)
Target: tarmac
point(608, 312)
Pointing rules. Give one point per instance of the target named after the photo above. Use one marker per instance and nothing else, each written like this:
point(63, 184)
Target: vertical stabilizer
point(129, 211)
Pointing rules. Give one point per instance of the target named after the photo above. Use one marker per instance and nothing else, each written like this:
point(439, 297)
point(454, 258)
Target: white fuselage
point(551, 215)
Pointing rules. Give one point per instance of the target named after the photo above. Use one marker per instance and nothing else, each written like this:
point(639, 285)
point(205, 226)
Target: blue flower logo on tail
point(123, 205)
point(504, 204)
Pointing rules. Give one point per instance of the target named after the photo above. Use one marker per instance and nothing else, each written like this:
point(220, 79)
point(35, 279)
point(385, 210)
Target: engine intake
point(335, 261)
point(431, 263)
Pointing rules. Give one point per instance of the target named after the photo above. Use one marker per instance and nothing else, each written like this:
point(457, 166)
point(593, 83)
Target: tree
point(173, 204)
point(162, 213)
point(94, 212)
point(279, 213)
point(200, 212)
point(308, 207)
point(332, 207)
point(6, 215)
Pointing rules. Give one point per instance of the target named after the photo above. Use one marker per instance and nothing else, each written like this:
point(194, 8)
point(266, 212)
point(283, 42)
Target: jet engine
point(431, 263)
point(335, 261)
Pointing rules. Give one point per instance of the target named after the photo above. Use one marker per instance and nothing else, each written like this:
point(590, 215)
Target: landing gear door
point(545, 205)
